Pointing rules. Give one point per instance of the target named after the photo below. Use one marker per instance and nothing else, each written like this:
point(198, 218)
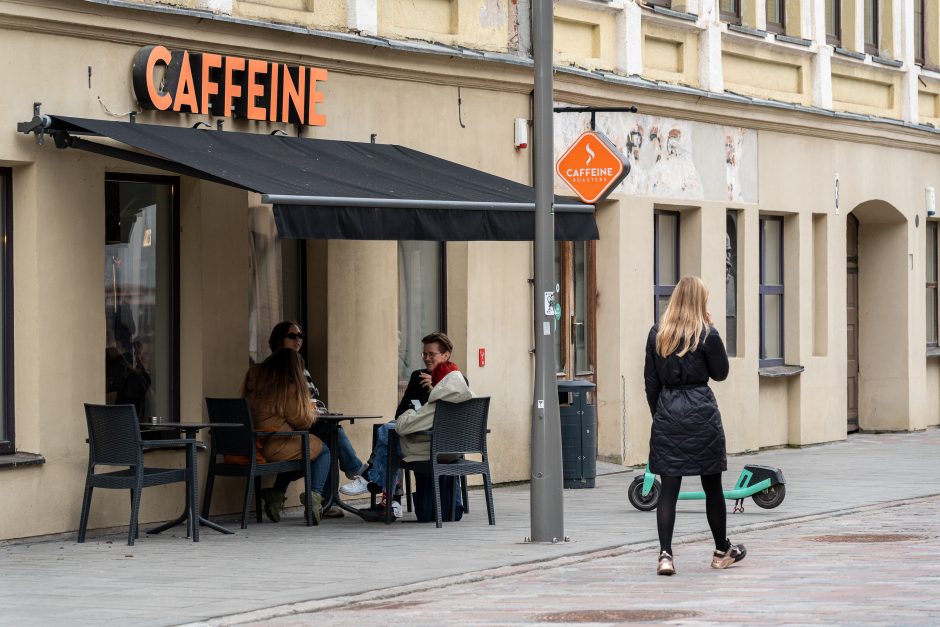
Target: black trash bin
point(578, 433)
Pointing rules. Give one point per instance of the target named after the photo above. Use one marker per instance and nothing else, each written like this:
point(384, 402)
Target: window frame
point(932, 234)
point(660, 289)
point(779, 28)
point(7, 416)
point(872, 47)
point(173, 385)
point(733, 17)
point(835, 39)
point(771, 290)
point(920, 43)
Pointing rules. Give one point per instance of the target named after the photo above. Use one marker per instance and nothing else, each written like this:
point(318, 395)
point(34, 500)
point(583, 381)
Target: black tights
point(714, 510)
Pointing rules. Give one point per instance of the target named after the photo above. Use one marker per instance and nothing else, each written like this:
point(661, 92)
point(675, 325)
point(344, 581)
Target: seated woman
point(288, 334)
point(448, 384)
point(276, 389)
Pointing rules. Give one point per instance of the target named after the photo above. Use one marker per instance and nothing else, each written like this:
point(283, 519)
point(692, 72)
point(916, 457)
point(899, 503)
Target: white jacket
point(452, 388)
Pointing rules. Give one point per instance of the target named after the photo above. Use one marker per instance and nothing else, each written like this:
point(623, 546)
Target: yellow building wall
point(767, 73)
point(584, 38)
point(478, 24)
point(861, 89)
point(670, 55)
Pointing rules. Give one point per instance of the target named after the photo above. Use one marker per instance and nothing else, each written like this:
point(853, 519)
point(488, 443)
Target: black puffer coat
point(687, 437)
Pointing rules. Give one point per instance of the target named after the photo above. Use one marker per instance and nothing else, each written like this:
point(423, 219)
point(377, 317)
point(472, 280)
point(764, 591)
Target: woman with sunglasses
point(288, 334)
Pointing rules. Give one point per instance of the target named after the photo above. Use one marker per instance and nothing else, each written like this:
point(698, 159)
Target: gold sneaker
point(724, 559)
point(665, 565)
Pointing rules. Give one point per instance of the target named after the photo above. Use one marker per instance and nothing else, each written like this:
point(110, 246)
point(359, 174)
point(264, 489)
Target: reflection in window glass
point(666, 258)
point(419, 301)
point(932, 283)
point(581, 325)
point(6, 446)
point(771, 291)
point(139, 294)
point(731, 283)
point(559, 274)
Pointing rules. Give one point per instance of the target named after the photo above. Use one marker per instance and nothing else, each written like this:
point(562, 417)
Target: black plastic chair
point(114, 440)
point(459, 429)
point(242, 441)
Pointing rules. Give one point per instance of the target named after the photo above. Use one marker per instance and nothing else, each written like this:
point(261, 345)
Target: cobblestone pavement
point(874, 565)
point(272, 570)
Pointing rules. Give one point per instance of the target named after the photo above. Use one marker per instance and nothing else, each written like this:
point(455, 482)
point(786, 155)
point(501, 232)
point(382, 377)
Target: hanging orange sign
point(592, 167)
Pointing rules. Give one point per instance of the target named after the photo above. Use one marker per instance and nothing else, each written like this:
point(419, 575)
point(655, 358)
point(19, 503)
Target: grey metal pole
point(547, 507)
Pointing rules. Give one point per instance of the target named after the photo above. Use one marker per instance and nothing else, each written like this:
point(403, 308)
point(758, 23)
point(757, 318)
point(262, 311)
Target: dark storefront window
point(141, 277)
point(731, 282)
point(771, 291)
point(932, 283)
point(421, 301)
point(665, 259)
point(277, 288)
point(7, 442)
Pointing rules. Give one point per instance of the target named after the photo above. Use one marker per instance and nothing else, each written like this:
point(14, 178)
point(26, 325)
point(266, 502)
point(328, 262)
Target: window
point(574, 339)
point(771, 291)
point(871, 27)
point(931, 283)
point(730, 11)
point(141, 293)
point(277, 288)
point(834, 22)
point(776, 16)
point(421, 301)
point(731, 283)
point(7, 441)
point(920, 44)
point(666, 259)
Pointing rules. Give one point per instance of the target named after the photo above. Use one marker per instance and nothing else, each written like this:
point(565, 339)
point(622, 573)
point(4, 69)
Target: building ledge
point(688, 17)
point(933, 352)
point(779, 371)
point(850, 53)
point(798, 41)
point(21, 459)
point(747, 30)
point(889, 62)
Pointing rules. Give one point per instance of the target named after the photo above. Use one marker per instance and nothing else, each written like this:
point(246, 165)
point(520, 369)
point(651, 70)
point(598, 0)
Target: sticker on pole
point(592, 167)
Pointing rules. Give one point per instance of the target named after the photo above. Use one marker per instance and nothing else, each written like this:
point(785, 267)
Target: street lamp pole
point(547, 507)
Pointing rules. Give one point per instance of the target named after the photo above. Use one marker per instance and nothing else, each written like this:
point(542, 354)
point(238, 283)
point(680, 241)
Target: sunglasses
point(295, 336)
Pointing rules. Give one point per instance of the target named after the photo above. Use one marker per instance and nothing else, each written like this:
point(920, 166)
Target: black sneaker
point(724, 559)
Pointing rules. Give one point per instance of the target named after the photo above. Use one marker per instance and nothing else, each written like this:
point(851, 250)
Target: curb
point(310, 607)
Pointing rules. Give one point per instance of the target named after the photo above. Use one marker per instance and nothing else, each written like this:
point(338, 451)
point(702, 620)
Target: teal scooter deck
point(764, 484)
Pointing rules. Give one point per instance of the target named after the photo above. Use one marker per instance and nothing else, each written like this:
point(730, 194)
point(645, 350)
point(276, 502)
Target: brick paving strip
point(439, 601)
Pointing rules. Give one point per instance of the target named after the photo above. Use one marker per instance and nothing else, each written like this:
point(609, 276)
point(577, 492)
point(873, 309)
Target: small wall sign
point(592, 167)
point(213, 84)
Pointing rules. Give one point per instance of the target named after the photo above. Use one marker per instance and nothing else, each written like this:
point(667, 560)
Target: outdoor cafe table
point(333, 496)
point(191, 513)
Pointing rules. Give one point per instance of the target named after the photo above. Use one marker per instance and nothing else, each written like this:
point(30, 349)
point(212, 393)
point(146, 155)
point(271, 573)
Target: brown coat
point(276, 449)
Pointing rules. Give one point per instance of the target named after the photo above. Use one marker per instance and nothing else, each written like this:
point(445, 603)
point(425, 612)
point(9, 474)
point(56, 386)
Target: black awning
point(328, 189)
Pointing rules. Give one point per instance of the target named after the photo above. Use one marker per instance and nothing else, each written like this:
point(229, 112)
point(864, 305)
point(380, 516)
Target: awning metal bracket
point(37, 125)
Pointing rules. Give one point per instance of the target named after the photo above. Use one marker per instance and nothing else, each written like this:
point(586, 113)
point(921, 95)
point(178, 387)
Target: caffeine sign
point(213, 84)
point(592, 167)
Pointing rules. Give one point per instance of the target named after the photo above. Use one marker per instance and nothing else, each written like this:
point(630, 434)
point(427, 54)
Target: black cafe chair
point(242, 441)
point(114, 440)
point(459, 429)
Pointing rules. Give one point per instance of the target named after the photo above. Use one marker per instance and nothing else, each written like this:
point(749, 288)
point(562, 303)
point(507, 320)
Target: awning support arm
point(399, 203)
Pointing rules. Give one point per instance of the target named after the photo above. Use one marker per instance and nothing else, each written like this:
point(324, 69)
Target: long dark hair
point(280, 379)
point(279, 332)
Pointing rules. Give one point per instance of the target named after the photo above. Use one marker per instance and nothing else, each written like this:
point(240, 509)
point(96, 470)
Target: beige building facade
point(793, 170)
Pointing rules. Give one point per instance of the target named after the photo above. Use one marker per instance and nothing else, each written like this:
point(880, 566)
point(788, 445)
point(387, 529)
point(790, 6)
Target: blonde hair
point(685, 318)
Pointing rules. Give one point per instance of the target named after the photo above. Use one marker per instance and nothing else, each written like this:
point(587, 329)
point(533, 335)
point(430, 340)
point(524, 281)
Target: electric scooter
point(764, 484)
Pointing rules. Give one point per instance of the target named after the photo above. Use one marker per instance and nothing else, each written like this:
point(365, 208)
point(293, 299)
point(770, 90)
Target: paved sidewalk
point(166, 580)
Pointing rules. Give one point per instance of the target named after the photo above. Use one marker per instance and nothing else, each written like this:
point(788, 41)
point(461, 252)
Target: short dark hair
point(279, 332)
point(443, 342)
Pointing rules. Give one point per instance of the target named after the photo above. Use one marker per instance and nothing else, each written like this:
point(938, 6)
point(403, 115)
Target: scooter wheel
point(771, 497)
point(643, 503)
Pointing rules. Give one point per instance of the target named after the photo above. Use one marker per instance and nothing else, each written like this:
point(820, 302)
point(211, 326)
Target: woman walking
point(683, 352)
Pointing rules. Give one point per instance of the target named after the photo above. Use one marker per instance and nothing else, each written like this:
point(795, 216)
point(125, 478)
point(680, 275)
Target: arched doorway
point(877, 301)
